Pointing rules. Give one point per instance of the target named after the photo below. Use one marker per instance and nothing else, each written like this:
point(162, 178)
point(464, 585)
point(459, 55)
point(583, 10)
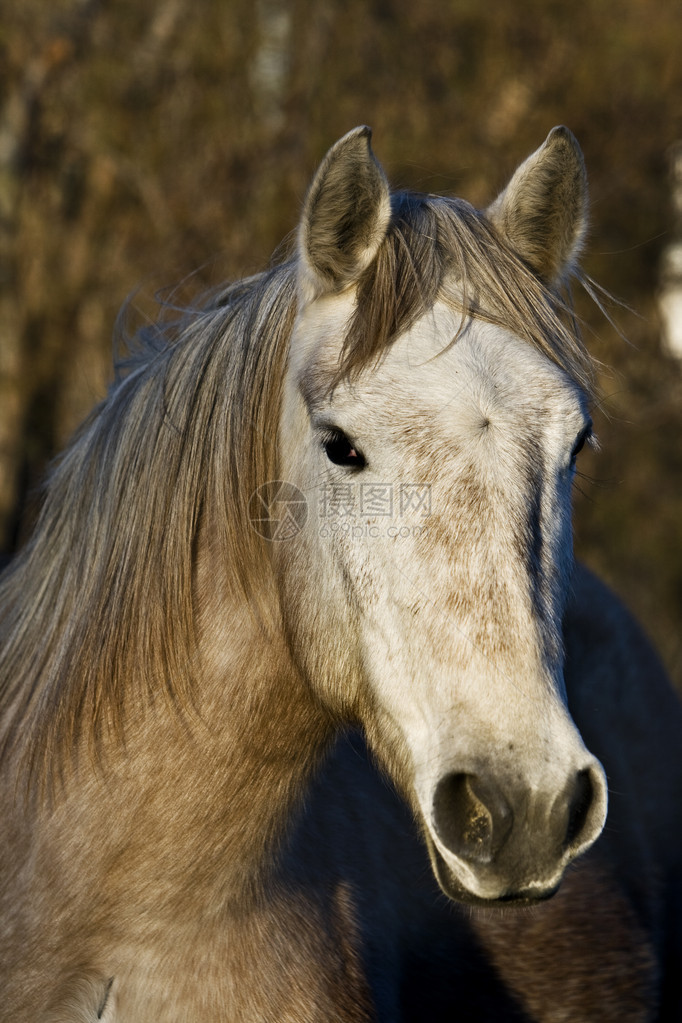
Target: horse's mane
point(100, 602)
point(97, 612)
point(435, 241)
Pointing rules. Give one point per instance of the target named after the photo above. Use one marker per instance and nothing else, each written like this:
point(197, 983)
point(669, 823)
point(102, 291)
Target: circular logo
point(278, 510)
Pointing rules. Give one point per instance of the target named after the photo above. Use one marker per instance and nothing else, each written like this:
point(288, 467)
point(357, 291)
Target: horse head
point(434, 405)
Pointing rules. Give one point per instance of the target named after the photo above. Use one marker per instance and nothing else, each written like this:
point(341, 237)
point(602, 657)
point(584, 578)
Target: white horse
point(338, 493)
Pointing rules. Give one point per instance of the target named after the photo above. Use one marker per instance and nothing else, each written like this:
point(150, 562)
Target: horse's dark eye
point(581, 440)
point(340, 450)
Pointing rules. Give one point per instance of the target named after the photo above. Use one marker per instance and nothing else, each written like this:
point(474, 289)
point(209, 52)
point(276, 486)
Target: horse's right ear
point(345, 216)
point(543, 210)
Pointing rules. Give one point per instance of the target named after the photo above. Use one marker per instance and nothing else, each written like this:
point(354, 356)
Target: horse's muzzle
point(497, 842)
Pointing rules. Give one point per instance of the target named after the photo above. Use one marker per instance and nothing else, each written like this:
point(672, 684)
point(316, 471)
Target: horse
point(307, 712)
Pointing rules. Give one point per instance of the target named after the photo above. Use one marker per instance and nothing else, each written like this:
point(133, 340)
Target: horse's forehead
point(439, 370)
point(480, 372)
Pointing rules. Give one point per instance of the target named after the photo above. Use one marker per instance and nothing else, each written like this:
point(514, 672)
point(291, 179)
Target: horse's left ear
point(345, 216)
point(543, 210)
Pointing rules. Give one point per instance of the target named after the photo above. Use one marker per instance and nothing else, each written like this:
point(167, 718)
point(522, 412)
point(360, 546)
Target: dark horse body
point(337, 496)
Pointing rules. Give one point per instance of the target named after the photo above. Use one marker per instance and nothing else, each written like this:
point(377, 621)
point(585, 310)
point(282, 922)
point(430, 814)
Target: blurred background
point(145, 143)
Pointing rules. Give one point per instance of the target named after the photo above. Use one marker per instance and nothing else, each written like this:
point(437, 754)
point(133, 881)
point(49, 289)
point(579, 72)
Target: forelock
point(439, 248)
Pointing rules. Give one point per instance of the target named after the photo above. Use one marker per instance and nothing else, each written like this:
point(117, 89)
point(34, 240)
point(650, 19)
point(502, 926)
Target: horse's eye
point(339, 450)
point(581, 440)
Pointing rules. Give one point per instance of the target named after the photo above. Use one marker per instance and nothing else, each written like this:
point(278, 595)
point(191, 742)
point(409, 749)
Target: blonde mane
point(434, 240)
point(97, 612)
point(100, 602)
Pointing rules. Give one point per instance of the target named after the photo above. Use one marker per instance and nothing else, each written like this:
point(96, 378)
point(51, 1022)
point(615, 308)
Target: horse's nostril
point(471, 816)
point(579, 807)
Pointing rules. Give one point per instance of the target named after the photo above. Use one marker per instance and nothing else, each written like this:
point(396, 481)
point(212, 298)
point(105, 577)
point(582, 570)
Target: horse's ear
point(345, 216)
point(543, 210)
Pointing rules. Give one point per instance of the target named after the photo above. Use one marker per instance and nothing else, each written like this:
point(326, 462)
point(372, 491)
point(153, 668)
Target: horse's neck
point(241, 761)
point(267, 734)
point(192, 805)
point(260, 731)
